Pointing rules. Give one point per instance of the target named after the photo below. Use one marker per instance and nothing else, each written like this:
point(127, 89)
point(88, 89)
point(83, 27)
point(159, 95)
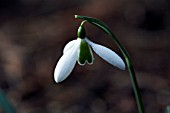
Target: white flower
point(79, 50)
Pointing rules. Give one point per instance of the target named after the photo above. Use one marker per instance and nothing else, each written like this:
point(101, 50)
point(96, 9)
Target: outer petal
point(69, 45)
point(107, 54)
point(66, 63)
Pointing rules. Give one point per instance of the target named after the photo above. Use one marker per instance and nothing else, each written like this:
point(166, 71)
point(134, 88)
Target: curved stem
point(128, 61)
point(84, 21)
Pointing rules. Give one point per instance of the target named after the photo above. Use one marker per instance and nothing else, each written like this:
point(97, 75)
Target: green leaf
point(167, 109)
point(5, 104)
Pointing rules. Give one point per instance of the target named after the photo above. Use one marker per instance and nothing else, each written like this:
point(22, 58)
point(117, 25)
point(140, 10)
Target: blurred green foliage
point(5, 104)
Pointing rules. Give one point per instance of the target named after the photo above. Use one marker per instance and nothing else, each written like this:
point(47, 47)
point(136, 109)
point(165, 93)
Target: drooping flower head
point(80, 50)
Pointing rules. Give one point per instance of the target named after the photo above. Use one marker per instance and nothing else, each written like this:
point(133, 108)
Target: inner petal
point(85, 53)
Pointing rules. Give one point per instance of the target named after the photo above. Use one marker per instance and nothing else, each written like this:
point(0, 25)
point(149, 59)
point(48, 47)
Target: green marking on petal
point(85, 54)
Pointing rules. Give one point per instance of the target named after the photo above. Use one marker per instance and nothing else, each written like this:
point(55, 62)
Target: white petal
point(69, 45)
point(107, 54)
point(66, 63)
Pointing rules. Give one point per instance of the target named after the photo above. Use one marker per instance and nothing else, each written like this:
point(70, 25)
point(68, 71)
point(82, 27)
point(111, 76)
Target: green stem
point(132, 75)
point(128, 61)
point(83, 22)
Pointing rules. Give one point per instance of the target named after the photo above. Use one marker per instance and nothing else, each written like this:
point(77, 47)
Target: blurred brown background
point(34, 32)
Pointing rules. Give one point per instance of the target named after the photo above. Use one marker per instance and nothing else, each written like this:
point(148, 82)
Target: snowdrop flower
point(80, 50)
